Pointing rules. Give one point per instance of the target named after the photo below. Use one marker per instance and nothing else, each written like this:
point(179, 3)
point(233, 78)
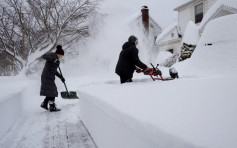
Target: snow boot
point(53, 108)
point(44, 105)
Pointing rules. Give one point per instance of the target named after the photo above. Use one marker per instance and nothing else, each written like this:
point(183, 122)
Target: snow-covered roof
point(137, 15)
point(133, 17)
point(166, 31)
point(221, 5)
point(183, 3)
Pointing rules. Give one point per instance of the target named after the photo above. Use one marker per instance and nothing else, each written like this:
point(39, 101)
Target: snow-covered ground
point(25, 125)
point(197, 110)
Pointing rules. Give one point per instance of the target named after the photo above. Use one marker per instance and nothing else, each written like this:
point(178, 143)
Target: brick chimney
point(145, 18)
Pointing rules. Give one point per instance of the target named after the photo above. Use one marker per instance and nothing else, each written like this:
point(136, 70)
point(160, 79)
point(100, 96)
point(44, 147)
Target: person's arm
point(60, 76)
point(48, 57)
point(136, 59)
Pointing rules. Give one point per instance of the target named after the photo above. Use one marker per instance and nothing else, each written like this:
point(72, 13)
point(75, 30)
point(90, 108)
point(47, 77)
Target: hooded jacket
point(128, 59)
point(48, 87)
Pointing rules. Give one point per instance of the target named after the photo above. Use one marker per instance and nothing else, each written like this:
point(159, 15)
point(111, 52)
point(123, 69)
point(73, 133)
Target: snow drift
point(216, 52)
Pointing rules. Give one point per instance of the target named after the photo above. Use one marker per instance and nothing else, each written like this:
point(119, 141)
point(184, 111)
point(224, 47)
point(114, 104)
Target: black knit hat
point(132, 39)
point(59, 50)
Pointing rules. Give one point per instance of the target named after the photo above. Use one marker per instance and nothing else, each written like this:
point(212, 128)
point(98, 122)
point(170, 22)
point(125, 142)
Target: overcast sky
point(161, 10)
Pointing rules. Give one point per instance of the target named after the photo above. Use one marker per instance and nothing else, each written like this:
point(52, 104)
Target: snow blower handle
point(154, 69)
point(64, 81)
point(152, 66)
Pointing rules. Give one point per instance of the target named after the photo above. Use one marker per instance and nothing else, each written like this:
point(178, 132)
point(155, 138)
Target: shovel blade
point(69, 95)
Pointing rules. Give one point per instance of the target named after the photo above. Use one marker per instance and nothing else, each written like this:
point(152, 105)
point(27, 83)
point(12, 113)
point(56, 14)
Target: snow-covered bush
point(190, 40)
point(186, 51)
point(166, 58)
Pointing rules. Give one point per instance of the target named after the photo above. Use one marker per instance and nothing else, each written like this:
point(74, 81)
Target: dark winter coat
point(48, 87)
point(128, 59)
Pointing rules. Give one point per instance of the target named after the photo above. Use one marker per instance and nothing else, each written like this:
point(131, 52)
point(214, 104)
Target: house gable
point(169, 34)
point(184, 4)
point(216, 12)
point(154, 27)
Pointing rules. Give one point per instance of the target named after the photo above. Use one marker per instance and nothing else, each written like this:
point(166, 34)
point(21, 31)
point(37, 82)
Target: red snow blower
point(158, 74)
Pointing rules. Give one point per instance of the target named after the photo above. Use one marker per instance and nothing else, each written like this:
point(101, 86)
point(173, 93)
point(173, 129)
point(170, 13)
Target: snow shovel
point(68, 94)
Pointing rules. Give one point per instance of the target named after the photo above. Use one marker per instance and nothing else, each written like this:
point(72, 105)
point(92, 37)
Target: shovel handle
point(63, 82)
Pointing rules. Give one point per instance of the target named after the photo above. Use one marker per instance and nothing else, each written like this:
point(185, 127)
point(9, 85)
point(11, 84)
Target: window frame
point(195, 15)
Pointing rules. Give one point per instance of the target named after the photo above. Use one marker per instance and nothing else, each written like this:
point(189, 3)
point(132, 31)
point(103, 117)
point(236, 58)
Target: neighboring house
point(198, 11)
point(169, 39)
point(192, 10)
point(144, 20)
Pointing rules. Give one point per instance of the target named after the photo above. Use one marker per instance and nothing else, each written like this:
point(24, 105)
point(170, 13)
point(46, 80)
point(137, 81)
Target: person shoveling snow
point(48, 86)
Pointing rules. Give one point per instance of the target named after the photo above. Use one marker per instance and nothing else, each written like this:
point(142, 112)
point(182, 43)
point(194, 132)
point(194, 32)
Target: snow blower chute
point(68, 94)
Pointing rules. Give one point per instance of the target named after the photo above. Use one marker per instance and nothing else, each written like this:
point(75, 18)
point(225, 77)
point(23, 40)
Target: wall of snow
point(216, 51)
point(147, 114)
point(9, 111)
point(111, 128)
point(16, 98)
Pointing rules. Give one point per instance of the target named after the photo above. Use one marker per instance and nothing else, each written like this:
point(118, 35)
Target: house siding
point(210, 3)
point(175, 45)
point(169, 36)
point(187, 13)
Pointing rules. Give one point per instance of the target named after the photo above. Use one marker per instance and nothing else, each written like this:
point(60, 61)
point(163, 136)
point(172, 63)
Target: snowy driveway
point(35, 127)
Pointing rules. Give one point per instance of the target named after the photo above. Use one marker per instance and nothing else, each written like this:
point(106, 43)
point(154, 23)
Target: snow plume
point(102, 51)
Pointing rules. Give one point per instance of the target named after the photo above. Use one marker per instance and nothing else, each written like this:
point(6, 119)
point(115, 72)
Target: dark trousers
point(47, 99)
point(125, 79)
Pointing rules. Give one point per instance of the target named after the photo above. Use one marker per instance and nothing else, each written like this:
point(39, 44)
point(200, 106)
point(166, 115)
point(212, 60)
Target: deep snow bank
point(14, 100)
point(161, 114)
point(216, 52)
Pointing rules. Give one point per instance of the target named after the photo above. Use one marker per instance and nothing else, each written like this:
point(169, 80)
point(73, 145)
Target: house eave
point(185, 4)
point(170, 41)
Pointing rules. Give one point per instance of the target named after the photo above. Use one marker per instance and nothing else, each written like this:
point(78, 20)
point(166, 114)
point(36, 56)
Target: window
point(198, 13)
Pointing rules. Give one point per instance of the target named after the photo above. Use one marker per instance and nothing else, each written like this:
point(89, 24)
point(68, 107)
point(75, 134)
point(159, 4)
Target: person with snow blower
point(48, 87)
point(129, 61)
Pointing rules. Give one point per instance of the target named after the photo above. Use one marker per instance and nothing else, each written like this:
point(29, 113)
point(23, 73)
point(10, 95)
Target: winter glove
point(148, 71)
point(62, 79)
point(138, 70)
point(57, 62)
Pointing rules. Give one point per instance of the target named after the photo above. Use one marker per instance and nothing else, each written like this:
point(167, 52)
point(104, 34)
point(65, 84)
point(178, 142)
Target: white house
point(170, 39)
point(198, 11)
point(192, 10)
